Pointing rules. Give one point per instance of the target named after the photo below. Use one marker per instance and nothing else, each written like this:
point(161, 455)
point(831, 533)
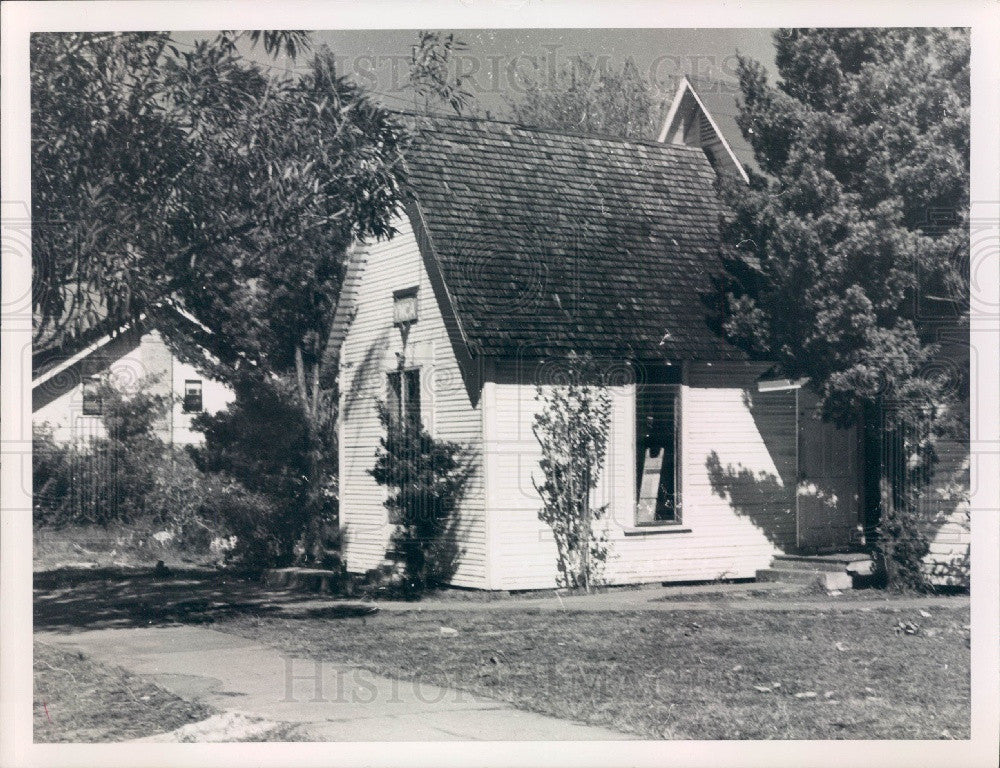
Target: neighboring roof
point(688, 121)
point(548, 242)
point(720, 97)
point(82, 321)
point(47, 362)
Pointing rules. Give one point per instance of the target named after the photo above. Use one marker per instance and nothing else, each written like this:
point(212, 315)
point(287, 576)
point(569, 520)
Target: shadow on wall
point(951, 572)
point(759, 496)
point(355, 393)
point(766, 498)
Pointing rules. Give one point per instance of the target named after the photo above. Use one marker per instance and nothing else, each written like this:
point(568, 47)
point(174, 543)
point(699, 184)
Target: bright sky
point(497, 60)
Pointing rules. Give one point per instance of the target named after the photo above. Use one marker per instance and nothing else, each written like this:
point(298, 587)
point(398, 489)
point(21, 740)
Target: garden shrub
point(261, 441)
point(426, 479)
point(52, 478)
point(572, 430)
point(177, 500)
point(104, 478)
point(913, 493)
point(262, 538)
point(901, 545)
point(130, 478)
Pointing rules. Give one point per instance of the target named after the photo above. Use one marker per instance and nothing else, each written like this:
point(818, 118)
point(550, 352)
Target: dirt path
point(666, 599)
point(72, 600)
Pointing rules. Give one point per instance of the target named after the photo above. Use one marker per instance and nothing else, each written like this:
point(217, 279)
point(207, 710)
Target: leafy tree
point(196, 179)
point(426, 479)
point(127, 136)
point(262, 442)
point(265, 310)
point(572, 430)
point(431, 75)
point(861, 218)
point(590, 96)
point(846, 256)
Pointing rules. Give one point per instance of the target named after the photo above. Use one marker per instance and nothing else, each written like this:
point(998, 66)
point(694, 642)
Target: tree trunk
point(310, 408)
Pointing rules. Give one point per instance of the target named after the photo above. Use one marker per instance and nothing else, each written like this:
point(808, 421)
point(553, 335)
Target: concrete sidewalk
point(325, 701)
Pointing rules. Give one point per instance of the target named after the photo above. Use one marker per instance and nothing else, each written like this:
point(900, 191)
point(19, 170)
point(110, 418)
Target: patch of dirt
point(230, 726)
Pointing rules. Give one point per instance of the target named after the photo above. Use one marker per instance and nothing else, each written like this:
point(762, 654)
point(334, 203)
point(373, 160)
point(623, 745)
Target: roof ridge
point(546, 130)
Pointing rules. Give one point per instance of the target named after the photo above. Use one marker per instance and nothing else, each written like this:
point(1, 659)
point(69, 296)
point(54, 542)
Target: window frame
point(87, 401)
point(398, 297)
point(403, 411)
point(201, 396)
point(677, 520)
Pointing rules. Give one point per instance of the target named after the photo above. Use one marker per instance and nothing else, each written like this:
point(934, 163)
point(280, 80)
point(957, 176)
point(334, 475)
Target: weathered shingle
point(550, 242)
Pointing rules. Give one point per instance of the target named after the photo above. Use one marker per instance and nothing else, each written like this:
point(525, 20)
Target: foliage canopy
point(848, 253)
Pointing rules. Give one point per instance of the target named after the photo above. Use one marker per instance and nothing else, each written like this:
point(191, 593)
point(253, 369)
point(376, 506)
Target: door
point(829, 481)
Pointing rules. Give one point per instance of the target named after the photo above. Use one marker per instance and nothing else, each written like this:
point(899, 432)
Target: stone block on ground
point(304, 579)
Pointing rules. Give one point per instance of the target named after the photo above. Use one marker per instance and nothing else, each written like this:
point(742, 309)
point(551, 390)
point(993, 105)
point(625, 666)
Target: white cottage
point(518, 245)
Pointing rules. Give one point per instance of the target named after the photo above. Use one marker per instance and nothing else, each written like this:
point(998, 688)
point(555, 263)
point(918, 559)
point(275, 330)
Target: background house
point(64, 383)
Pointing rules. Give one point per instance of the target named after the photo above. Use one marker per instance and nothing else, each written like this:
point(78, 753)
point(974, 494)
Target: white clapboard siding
point(368, 353)
point(721, 427)
point(950, 533)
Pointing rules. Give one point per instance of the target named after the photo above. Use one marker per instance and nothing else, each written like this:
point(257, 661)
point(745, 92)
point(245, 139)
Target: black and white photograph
point(484, 377)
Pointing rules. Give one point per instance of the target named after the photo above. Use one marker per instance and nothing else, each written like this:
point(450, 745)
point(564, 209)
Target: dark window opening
point(404, 398)
point(93, 405)
point(657, 450)
point(192, 396)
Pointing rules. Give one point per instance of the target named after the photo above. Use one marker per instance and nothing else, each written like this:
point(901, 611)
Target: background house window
point(657, 451)
point(92, 403)
point(403, 398)
point(404, 306)
point(192, 396)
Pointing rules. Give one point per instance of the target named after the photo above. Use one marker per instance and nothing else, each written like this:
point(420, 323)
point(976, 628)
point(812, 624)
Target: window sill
point(654, 530)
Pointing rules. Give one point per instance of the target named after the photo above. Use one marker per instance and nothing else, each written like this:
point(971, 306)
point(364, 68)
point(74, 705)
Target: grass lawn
point(77, 700)
point(802, 674)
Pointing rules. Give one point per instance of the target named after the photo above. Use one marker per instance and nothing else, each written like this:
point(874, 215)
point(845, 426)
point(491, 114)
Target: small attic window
point(93, 403)
point(404, 306)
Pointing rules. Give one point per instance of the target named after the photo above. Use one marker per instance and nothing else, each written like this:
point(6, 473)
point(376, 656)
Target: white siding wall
point(951, 533)
point(151, 356)
point(368, 353)
point(714, 540)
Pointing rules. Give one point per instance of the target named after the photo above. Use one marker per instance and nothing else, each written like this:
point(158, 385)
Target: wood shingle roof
point(549, 242)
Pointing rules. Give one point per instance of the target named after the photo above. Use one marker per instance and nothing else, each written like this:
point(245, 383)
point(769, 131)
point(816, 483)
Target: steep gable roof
point(548, 242)
point(689, 122)
point(47, 362)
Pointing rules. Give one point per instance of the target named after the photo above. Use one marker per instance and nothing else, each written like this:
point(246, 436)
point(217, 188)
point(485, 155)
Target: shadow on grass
point(73, 599)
